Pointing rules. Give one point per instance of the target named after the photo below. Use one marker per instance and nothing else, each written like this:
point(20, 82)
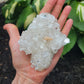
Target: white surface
point(42, 39)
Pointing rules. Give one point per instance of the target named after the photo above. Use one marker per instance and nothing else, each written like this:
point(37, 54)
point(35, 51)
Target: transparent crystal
point(42, 40)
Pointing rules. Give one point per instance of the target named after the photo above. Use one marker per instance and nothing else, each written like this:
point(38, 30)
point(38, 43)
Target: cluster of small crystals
point(42, 40)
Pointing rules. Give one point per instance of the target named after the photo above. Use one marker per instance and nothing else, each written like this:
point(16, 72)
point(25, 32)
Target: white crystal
point(67, 40)
point(42, 40)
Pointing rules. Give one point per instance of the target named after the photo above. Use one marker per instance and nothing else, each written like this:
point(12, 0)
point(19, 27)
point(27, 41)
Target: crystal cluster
point(42, 40)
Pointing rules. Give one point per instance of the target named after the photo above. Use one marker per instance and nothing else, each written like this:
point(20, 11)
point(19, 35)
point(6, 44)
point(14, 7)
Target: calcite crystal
point(42, 40)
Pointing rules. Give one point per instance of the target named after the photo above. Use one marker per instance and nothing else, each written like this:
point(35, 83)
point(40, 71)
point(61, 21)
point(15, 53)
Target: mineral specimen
point(42, 40)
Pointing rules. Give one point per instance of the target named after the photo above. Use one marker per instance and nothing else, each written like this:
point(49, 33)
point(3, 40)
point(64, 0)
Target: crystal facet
point(42, 40)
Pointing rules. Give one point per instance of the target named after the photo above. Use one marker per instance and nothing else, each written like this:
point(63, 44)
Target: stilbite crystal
point(42, 40)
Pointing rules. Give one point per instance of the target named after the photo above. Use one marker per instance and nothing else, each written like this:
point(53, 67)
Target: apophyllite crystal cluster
point(42, 40)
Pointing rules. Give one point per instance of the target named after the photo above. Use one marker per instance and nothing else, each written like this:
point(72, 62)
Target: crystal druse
point(42, 40)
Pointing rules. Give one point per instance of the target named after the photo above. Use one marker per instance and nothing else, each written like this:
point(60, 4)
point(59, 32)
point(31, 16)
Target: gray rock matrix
point(42, 40)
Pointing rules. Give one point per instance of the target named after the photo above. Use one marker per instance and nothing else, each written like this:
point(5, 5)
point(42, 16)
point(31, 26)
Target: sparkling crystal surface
point(42, 40)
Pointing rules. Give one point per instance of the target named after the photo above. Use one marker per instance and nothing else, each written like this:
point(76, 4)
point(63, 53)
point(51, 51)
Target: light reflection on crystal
point(42, 50)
